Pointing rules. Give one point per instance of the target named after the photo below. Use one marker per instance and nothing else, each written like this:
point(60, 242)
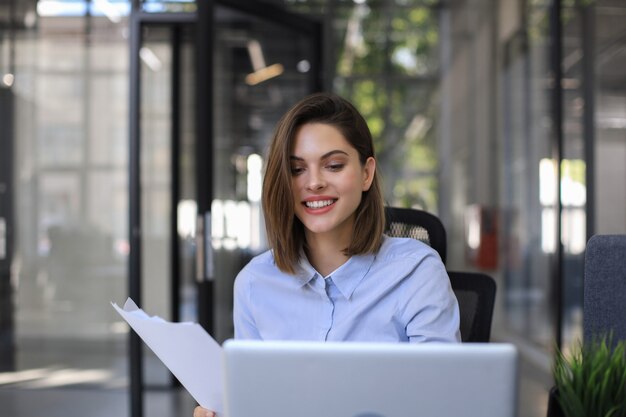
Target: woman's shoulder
point(262, 272)
point(263, 262)
point(263, 258)
point(404, 248)
point(259, 266)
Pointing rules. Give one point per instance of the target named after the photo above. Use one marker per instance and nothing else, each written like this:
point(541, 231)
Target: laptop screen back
point(306, 379)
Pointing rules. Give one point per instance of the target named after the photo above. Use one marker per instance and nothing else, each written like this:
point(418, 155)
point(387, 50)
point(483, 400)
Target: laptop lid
point(313, 379)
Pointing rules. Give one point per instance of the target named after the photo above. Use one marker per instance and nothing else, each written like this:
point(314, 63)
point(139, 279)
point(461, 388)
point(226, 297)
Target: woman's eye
point(335, 167)
point(296, 170)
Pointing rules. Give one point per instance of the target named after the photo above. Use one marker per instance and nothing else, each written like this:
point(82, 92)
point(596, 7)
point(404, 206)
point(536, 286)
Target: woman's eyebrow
point(325, 156)
point(332, 153)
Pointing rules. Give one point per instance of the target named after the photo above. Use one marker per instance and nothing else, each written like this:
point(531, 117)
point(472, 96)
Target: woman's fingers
point(202, 412)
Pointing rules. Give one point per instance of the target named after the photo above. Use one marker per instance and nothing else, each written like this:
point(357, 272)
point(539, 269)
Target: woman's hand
point(202, 412)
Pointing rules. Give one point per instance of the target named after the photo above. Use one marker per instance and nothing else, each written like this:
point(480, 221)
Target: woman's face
point(327, 179)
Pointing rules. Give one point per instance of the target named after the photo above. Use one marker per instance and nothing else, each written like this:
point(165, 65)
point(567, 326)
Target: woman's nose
point(315, 181)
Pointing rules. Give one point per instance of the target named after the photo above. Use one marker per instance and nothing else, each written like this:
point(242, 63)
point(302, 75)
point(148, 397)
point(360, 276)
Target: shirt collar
point(305, 271)
point(349, 275)
point(346, 278)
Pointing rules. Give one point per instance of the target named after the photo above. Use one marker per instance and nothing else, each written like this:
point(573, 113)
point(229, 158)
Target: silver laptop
point(314, 379)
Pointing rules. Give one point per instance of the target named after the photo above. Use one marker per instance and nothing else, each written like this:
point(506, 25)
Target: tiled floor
point(535, 379)
point(68, 402)
point(535, 383)
point(104, 395)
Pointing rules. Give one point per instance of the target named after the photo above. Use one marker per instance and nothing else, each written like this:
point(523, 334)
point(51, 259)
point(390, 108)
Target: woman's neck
point(325, 251)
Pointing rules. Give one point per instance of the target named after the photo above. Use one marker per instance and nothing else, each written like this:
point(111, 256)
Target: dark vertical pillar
point(317, 81)
point(7, 333)
point(204, 159)
point(175, 169)
point(134, 219)
point(587, 15)
point(86, 109)
point(7, 219)
point(556, 34)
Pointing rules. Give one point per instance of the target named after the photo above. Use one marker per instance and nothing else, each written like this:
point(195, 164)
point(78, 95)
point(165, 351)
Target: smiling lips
point(318, 204)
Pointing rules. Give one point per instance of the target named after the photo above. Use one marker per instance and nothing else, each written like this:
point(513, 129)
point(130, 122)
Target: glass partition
point(261, 69)
point(609, 46)
point(69, 84)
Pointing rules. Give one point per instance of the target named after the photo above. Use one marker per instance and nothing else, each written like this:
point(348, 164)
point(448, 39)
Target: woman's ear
point(369, 169)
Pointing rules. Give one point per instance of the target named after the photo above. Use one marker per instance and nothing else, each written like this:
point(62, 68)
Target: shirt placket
point(331, 296)
point(323, 287)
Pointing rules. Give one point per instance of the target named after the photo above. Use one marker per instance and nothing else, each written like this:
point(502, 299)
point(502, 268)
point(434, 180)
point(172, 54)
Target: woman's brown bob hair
point(285, 232)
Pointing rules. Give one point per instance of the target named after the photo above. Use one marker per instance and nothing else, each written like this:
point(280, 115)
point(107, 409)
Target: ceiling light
point(264, 74)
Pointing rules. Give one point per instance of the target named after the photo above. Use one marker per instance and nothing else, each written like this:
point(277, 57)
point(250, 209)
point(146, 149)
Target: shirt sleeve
point(243, 320)
point(432, 310)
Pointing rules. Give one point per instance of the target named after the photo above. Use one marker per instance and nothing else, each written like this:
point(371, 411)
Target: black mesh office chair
point(418, 224)
point(475, 292)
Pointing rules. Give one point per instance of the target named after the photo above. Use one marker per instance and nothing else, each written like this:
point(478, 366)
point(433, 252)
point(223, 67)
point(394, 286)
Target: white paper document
point(188, 351)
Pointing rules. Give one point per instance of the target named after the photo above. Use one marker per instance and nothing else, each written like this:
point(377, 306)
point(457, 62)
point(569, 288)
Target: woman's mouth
point(318, 204)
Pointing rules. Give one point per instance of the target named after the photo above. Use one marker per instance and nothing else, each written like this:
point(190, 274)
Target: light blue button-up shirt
point(400, 294)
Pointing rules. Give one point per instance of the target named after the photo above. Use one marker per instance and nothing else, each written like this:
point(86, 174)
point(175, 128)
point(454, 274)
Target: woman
point(331, 274)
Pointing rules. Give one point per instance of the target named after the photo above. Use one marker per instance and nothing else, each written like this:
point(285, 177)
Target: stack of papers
point(188, 351)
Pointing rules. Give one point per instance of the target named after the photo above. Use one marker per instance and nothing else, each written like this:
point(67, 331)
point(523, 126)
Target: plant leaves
point(591, 380)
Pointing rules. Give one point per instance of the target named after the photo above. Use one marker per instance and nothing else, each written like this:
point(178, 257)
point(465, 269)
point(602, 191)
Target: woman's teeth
point(319, 204)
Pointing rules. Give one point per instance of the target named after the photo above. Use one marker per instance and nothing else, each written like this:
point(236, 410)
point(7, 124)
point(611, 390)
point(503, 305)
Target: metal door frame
point(139, 20)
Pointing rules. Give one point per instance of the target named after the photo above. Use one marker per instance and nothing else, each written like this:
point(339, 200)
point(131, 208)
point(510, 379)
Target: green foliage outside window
point(386, 61)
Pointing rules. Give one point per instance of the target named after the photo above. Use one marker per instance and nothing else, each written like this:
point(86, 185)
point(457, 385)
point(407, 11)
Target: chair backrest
point(476, 294)
point(604, 309)
point(418, 224)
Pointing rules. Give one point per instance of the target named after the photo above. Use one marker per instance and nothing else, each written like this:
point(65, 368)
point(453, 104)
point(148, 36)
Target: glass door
point(206, 91)
point(161, 190)
point(261, 67)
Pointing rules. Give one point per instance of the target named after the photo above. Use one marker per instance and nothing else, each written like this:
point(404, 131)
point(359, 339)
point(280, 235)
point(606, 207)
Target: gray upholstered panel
point(605, 286)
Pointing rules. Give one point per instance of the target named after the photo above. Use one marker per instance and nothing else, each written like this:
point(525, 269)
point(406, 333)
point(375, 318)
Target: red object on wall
point(481, 237)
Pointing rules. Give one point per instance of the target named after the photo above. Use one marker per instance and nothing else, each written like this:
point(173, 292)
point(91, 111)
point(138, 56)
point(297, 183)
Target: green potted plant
point(591, 381)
